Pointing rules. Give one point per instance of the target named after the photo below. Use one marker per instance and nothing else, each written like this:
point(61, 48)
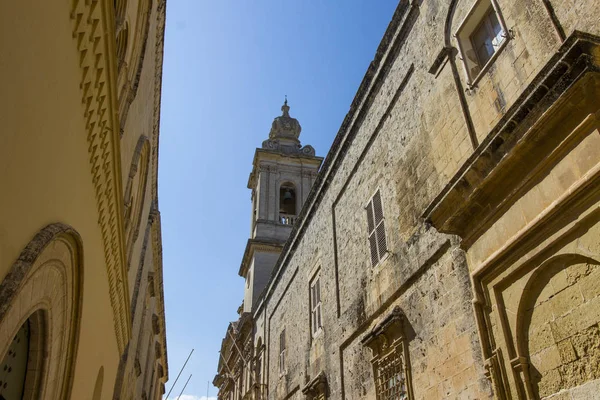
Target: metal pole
point(236, 347)
point(180, 371)
point(186, 382)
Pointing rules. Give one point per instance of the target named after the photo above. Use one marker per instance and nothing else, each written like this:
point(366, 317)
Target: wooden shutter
point(377, 239)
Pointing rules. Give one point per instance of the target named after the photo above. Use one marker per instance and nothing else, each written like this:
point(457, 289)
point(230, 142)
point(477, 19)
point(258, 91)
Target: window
point(390, 351)
point(481, 35)
point(487, 37)
point(282, 352)
point(390, 382)
point(377, 241)
point(315, 304)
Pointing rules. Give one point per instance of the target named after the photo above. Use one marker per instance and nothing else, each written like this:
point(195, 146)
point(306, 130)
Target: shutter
point(319, 316)
point(377, 207)
point(381, 242)
point(318, 291)
point(373, 246)
point(370, 222)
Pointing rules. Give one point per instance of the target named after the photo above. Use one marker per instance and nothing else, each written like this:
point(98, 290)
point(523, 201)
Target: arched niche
point(133, 58)
point(135, 190)
point(557, 325)
point(40, 303)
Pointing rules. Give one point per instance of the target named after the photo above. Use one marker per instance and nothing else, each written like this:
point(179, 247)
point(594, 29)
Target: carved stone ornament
point(317, 387)
point(285, 126)
point(390, 330)
point(137, 367)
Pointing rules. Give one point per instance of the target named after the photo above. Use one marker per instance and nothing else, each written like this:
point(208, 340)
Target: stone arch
point(122, 42)
point(44, 290)
point(553, 326)
point(98, 386)
point(129, 81)
point(448, 23)
point(120, 6)
point(135, 191)
point(451, 52)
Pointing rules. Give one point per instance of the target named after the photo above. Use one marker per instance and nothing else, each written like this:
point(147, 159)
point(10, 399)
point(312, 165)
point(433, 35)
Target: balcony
point(287, 219)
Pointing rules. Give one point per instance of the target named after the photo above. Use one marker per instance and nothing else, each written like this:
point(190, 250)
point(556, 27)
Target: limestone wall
point(414, 124)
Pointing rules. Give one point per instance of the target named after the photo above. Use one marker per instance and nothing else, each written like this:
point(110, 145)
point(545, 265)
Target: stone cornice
point(156, 226)
point(257, 244)
point(275, 156)
point(158, 283)
point(93, 35)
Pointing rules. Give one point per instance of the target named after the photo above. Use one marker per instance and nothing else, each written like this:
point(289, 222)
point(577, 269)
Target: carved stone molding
point(92, 22)
point(316, 388)
point(137, 367)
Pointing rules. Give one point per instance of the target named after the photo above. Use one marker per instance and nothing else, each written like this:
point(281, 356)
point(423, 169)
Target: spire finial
point(285, 108)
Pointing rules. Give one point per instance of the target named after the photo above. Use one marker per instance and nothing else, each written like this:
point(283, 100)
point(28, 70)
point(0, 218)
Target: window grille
point(376, 225)
point(315, 302)
point(391, 367)
point(282, 352)
point(390, 381)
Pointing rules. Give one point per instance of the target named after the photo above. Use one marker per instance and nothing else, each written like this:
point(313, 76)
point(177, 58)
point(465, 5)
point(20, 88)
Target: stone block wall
point(414, 126)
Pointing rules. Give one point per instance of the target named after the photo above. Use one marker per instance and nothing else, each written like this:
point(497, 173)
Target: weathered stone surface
point(505, 164)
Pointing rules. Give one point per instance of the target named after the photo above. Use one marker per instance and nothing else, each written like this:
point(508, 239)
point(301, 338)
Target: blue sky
point(227, 66)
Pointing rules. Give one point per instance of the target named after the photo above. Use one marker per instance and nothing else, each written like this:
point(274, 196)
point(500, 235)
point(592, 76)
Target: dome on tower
point(284, 126)
point(285, 135)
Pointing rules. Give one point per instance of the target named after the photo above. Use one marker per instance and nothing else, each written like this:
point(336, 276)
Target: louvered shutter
point(381, 243)
point(370, 222)
point(377, 239)
point(318, 303)
point(377, 208)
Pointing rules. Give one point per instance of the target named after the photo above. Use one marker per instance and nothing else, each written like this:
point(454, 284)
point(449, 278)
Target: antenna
point(180, 371)
point(184, 386)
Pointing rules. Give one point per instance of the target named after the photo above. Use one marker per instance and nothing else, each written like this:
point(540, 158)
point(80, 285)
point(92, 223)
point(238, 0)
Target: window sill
point(317, 334)
point(382, 260)
point(472, 83)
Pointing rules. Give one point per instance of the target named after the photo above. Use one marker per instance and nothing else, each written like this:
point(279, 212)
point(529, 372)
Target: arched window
point(287, 204)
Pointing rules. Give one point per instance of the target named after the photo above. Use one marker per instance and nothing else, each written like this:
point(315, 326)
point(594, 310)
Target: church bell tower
point(283, 172)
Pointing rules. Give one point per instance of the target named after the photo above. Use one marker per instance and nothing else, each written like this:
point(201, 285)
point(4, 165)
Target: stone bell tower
point(283, 172)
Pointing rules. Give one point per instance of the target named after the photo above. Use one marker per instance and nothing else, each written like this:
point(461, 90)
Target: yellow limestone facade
point(449, 247)
point(81, 299)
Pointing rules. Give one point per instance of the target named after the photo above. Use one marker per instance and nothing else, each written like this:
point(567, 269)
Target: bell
point(287, 196)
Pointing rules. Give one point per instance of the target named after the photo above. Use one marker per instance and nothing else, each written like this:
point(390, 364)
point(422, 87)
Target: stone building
point(81, 299)
point(449, 246)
